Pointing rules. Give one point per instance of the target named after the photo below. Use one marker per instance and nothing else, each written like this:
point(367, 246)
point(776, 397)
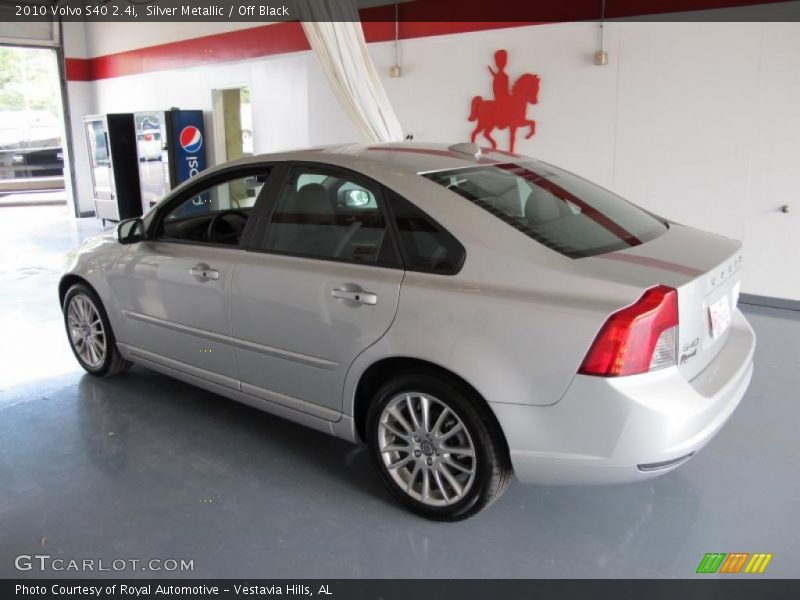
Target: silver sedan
point(468, 314)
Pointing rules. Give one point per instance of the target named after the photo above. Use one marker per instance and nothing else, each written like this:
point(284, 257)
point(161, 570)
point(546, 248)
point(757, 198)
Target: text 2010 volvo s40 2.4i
point(467, 314)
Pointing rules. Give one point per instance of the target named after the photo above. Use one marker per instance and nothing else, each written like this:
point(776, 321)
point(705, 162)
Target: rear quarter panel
point(515, 322)
point(516, 332)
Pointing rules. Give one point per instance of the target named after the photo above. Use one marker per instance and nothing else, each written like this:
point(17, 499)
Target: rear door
point(320, 285)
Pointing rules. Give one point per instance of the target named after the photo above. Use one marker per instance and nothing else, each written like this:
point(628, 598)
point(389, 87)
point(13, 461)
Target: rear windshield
point(556, 208)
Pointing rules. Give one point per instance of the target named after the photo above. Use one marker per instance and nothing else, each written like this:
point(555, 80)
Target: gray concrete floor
point(141, 466)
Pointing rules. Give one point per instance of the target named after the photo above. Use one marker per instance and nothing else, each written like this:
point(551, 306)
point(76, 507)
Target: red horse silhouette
point(506, 111)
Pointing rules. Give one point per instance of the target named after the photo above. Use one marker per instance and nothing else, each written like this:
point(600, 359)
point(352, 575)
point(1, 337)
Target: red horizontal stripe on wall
point(78, 69)
point(419, 18)
point(543, 11)
point(256, 42)
point(383, 31)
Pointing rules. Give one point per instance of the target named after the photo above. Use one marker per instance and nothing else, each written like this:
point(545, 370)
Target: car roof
point(407, 156)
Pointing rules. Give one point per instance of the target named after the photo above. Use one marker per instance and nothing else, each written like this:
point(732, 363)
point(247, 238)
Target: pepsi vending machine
point(171, 148)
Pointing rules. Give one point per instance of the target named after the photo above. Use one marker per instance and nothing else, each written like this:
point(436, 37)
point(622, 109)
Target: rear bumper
point(613, 430)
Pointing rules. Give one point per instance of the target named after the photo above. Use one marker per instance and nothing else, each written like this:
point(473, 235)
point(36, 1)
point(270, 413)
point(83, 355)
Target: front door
point(321, 285)
point(173, 289)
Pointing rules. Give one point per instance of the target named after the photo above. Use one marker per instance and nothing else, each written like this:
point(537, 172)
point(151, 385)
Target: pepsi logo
point(191, 139)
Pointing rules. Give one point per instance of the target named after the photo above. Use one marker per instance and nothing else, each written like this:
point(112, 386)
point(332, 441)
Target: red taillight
point(627, 342)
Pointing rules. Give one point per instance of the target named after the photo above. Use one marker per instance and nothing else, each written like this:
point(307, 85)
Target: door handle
point(203, 271)
point(359, 296)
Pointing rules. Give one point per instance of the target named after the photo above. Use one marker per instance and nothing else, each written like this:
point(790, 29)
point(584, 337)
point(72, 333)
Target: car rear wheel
point(436, 446)
point(89, 333)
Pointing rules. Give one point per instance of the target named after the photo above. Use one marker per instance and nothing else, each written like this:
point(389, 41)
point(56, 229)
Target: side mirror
point(129, 231)
point(356, 198)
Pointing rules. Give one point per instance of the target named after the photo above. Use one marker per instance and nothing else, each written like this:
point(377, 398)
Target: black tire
point(112, 362)
point(492, 465)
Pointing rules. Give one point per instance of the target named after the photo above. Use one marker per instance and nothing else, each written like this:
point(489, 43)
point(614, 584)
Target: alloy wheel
point(86, 331)
point(426, 449)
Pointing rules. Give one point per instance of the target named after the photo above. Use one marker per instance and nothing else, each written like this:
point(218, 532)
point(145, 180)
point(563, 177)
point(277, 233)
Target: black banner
point(388, 589)
point(532, 11)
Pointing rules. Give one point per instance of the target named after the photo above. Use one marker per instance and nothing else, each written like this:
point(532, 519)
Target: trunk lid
point(705, 269)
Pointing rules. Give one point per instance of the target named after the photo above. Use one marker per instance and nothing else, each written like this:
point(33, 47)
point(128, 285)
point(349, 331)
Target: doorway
point(31, 127)
point(233, 123)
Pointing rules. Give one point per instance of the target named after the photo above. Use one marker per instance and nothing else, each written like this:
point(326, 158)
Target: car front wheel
point(89, 333)
point(437, 447)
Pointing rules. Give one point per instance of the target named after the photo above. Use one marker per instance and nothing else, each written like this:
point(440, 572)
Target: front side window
point(217, 214)
point(558, 209)
point(328, 215)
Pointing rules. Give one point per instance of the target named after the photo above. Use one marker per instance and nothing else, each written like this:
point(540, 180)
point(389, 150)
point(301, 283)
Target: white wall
point(699, 122)
point(110, 37)
point(279, 88)
point(773, 238)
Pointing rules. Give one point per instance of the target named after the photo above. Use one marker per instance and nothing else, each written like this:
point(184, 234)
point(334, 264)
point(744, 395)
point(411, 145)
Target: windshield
point(558, 209)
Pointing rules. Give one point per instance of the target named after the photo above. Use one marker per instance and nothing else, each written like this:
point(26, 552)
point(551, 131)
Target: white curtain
point(334, 32)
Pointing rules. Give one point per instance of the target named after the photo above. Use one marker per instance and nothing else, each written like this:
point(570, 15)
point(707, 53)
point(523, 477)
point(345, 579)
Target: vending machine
point(171, 149)
point(113, 160)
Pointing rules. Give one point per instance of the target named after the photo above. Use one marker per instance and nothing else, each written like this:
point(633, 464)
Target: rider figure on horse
point(508, 108)
point(500, 83)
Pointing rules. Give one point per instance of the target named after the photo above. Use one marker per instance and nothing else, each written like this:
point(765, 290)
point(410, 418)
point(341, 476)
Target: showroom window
point(327, 215)
point(426, 245)
point(216, 215)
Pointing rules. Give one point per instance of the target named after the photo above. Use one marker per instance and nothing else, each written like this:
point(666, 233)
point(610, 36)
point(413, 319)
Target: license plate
point(719, 314)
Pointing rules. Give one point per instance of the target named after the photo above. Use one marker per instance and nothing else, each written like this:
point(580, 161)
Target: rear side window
point(327, 215)
point(426, 245)
point(557, 209)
